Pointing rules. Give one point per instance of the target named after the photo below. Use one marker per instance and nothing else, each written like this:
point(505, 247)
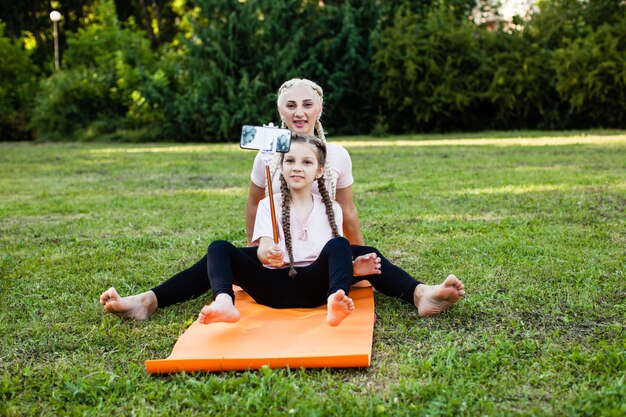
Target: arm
point(255, 194)
point(351, 227)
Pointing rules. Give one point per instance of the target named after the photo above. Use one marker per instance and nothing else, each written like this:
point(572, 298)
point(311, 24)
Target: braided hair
point(319, 129)
point(320, 151)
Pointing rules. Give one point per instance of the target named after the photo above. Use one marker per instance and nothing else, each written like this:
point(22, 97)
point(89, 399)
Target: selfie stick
point(271, 195)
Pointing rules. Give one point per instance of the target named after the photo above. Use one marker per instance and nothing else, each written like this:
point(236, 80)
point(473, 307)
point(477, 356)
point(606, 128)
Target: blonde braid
point(331, 174)
point(286, 217)
point(329, 206)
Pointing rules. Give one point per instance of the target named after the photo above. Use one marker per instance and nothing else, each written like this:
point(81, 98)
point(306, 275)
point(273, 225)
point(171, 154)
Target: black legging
point(194, 281)
point(330, 272)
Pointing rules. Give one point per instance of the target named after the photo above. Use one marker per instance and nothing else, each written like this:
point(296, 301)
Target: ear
point(320, 173)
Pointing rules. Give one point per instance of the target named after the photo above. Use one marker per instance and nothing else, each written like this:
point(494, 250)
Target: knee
point(338, 242)
point(218, 246)
point(370, 249)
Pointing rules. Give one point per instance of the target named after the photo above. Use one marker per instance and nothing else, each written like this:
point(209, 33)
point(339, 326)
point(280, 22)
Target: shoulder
point(337, 151)
point(264, 205)
point(278, 198)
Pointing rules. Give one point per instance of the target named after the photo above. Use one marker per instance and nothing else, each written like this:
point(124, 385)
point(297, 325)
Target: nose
point(299, 111)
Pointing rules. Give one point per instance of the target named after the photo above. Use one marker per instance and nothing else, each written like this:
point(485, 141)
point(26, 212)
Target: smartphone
point(266, 138)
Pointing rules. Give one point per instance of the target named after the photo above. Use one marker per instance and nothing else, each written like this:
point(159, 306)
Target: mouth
point(299, 123)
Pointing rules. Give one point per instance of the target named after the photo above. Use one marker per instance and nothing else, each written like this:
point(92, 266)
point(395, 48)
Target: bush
point(591, 77)
point(17, 81)
point(240, 53)
point(521, 90)
point(97, 91)
point(433, 73)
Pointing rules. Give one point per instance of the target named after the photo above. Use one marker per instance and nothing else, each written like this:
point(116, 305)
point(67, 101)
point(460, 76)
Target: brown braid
point(284, 189)
point(321, 185)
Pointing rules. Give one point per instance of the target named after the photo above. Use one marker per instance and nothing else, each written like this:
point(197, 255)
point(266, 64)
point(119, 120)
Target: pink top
point(338, 158)
point(306, 246)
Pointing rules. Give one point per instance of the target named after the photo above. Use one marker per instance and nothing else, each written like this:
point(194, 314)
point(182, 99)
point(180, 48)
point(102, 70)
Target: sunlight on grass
point(197, 191)
point(485, 217)
point(545, 141)
point(519, 189)
point(530, 188)
point(541, 141)
point(208, 148)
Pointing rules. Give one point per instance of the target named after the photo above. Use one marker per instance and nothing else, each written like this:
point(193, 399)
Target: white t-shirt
point(318, 228)
point(338, 158)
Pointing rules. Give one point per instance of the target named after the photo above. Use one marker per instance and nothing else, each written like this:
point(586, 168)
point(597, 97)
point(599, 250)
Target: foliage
point(240, 53)
point(17, 77)
point(234, 67)
point(159, 20)
point(30, 20)
point(560, 21)
point(97, 92)
point(591, 76)
point(192, 70)
point(433, 72)
point(338, 56)
point(521, 89)
point(561, 71)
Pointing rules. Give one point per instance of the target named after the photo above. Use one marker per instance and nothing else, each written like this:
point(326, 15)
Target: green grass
point(536, 233)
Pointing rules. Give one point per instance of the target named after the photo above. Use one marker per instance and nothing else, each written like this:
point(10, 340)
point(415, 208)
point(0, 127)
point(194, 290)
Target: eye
point(288, 160)
point(291, 106)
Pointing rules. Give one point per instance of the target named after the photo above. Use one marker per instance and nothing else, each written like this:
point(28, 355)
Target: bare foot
point(135, 307)
point(339, 307)
point(222, 310)
point(433, 299)
point(366, 265)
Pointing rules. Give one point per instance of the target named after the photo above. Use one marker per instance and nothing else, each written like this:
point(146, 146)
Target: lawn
point(532, 222)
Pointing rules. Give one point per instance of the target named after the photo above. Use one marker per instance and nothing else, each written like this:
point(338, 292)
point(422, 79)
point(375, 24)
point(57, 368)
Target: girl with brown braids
point(311, 265)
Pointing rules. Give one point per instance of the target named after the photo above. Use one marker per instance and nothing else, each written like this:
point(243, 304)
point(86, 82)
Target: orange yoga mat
point(294, 337)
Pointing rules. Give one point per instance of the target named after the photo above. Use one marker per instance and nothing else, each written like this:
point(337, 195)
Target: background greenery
point(192, 70)
point(533, 223)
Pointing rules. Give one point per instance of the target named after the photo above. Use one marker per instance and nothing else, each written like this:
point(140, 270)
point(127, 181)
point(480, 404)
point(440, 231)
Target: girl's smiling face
point(300, 107)
point(301, 166)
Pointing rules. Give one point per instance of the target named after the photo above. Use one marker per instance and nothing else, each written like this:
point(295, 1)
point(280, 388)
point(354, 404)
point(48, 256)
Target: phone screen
point(271, 139)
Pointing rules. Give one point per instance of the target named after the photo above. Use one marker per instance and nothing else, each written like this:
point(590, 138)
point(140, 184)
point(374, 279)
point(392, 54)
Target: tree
point(433, 73)
point(99, 86)
point(17, 77)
